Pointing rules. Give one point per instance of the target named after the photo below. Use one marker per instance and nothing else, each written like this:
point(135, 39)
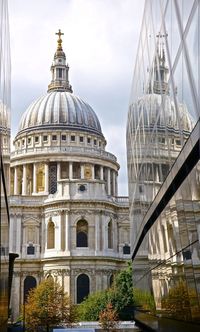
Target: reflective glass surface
point(164, 187)
point(5, 161)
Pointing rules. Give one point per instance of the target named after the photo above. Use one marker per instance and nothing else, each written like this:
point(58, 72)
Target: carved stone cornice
point(24, 274)
point(57, 272)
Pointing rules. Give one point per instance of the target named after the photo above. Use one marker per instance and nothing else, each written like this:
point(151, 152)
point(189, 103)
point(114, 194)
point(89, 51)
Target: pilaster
point(70, 170)
point(24, 182)
point(34, 178)
point(15, 182)
point(108, 182)
point(46, 181)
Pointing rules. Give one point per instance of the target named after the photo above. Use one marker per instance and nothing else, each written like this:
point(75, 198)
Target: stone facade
point(67, 219)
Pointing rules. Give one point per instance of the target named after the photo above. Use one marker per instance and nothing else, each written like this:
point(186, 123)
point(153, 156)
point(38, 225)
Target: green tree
point(47, 305)
point(122, 289)
point(90, 309)
point(120, 295)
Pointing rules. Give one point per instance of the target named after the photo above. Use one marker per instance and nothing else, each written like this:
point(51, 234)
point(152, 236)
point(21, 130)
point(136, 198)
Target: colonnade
point(34, 178)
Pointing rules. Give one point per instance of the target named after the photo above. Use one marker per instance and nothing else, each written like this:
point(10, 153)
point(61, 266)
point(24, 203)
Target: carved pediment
point(31, 222)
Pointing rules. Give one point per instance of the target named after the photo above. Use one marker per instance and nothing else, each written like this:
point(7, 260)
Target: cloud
point(100, 43)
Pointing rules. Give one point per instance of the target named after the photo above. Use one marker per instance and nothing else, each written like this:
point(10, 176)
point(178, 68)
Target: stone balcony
point(40, 199)
point(72, 150)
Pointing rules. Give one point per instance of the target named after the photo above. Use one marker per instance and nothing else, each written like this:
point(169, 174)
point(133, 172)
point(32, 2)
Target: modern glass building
point(163, 151)
point(5, 161)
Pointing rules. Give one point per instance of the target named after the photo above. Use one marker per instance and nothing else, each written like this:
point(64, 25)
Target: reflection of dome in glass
point(4, 115)
point(60, 110)
point(160, 110)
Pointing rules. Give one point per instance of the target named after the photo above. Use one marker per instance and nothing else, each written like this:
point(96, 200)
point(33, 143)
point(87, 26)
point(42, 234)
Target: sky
point(100, 42)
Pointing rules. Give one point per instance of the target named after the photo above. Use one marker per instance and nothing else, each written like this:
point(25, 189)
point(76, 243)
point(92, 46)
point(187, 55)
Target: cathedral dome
point(156, 109)
point(60, 110)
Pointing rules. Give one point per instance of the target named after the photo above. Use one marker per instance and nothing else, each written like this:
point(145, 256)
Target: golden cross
point(59, 33)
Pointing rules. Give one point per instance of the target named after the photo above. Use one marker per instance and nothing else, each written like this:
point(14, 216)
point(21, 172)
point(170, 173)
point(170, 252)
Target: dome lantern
point(158, 75)
point(59, 69)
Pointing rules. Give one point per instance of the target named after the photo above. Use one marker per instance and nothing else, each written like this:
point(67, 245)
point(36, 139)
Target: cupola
point(59, 69)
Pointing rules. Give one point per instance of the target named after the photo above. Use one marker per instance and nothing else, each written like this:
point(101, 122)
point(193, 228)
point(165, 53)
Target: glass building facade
point(5, 162)
point(163, 150)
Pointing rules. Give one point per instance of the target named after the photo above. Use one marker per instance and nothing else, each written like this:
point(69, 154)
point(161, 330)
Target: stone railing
point(121, 200)
point(39, 200)
point(68, 149)
point(28, 200)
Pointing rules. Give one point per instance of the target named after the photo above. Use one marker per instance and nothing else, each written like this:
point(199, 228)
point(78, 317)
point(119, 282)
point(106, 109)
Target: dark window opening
point(126, 250)
point(54, 138)
point(82, 240)
point(82, 234)
point(59, 72)
point(110, 235)
point(30, 250)
point(29, 283)
point(83, 287)
point(64, 137)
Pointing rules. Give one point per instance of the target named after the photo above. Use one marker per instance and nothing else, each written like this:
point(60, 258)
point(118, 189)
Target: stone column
point(67, 230)
point(114, 193)
point(104, 234)
point(34, 178)
point(108, 182)
point(97, 234)
point(18, 234)
point(115, 235)
point(116, 184)
point(82, 171)
point(15, 181)
point(11, 233)
point(58, 171)
point(92, 172)
point(24, 181)
point(70, 170)
point(46, 180)
point(58, 232)
point(101, 173)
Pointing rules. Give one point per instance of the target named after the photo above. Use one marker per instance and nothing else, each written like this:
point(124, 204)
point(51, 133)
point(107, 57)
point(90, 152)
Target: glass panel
point(5, 162)
point(164, 195)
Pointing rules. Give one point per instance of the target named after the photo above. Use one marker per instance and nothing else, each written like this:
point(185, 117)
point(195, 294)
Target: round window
point(82, 187)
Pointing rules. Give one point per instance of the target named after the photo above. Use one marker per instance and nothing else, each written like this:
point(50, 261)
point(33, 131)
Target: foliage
point(180, 300)
point(120, 295)
point(144, 299)
point(47, 305)
point(90, 308)
point(108, 318)
point(122, 289)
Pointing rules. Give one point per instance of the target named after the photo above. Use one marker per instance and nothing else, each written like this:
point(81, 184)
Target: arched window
point(110, 235)
point(50, 235)
point(40, 178)
point(111, 279)
point(29, 283)
point(83, 287)
point(82, 233)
